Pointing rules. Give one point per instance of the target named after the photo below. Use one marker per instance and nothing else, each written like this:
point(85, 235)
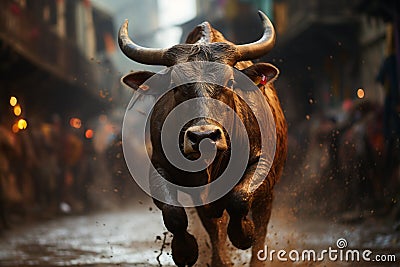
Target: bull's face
point(201, 133)
point(202, 129)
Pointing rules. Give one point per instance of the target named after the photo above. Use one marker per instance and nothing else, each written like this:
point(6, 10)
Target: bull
point(242, 214)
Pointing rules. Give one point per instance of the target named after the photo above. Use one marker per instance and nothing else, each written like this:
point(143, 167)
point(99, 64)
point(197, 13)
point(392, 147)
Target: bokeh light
point(15, 128)
point(13, 101)
point(17, 110)
point(22, 124)
point(75, 123)
point(89, 134)
point(360, 93)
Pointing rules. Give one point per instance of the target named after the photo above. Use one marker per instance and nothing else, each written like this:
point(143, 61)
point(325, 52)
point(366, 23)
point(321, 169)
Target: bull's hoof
point(241, 232)
point(185, 250)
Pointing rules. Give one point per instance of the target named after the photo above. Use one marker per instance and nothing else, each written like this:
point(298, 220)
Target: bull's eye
point(230, 83)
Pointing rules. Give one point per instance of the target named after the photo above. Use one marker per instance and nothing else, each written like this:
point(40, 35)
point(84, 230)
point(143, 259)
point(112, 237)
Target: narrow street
point(134, 237)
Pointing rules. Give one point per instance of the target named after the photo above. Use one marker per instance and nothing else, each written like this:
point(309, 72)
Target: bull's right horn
point(144, 55)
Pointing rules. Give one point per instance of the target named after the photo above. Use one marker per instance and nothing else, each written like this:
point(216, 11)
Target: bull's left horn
point(262, 46)
point(144, 55)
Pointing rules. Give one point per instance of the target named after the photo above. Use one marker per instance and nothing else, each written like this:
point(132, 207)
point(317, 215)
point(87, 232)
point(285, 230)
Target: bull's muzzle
point(211, 134)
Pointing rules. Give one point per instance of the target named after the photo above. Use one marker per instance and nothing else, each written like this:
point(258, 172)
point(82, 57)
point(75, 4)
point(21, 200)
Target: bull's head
point(204, 49)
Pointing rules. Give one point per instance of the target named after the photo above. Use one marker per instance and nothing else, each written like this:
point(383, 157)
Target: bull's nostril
point(196, 137)
point(215, 135)
point(193, 137)
point(196, 134)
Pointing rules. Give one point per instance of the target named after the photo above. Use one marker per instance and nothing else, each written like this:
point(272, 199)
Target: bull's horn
point(149, 56)
point(262, 46)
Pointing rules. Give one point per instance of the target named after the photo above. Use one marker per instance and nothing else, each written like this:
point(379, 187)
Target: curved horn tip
point(264, 18)
point(125, 24)
point(261, 14)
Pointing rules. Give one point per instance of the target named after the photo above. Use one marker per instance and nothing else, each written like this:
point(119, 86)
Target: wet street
point(135, 236)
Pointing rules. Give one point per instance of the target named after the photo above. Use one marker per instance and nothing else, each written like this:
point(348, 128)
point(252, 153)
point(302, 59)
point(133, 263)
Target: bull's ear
point(135, 79)
point(262, 73)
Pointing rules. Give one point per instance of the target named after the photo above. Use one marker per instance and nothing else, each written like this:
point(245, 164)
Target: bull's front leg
point(241, 230)
point(184, 246)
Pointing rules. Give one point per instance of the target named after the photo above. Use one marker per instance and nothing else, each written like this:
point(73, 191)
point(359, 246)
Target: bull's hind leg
point(261, 213)
point(216, 229)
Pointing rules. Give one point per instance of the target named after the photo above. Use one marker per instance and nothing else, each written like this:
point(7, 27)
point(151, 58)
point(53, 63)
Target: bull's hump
point(205, 33)
point(202, 33)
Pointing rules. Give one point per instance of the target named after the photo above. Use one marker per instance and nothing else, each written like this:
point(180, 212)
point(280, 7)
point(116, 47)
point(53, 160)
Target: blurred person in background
point(72, 153)
point(388, 78)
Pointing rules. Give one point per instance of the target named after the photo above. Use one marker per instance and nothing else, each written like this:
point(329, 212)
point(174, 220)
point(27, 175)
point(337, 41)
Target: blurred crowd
point(346, 162)
point(347, 156)
point(50, 169)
